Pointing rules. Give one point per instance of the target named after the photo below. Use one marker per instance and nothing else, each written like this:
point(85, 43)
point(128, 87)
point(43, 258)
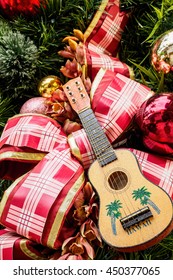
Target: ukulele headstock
point(77, 95)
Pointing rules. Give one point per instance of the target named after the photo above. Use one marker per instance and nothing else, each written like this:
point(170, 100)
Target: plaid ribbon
point(56, 180)
point(118, 103)
point(33, 131)
point(96, 61)
point(105, 30)
point(25, 140)
point(7, 240)
point(157, 169)
point(14, 161)
point(15, 247)
point(115, 100)
point(81, 148)
point(102, 39)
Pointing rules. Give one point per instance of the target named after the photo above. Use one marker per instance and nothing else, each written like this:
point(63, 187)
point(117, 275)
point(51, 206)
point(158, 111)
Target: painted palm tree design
point(113, 212)
point(144, 195)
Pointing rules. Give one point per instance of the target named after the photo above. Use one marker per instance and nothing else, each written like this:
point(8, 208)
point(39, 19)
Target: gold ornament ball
point(48, 85)
point(162, 53)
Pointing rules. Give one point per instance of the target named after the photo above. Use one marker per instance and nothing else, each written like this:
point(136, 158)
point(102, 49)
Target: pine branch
point(160, 251)
point(7, 109)
point(129, 4)
point(4, 184)
point(18, 60)
point(46, 30)
point(149, 24)
point(78, 13)
point(57, 20)
point(4, 27)
point(107, 253)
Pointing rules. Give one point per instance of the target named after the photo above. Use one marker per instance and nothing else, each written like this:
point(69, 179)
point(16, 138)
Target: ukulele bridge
point(136, 217)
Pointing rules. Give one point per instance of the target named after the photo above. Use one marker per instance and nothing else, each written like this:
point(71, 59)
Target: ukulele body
point(134, 213)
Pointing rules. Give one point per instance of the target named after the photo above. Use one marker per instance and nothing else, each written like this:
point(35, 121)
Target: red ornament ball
point(155, 118)
point(15, 7)
point(35, 105)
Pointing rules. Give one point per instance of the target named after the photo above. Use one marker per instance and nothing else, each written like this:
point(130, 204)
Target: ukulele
point(134, 214)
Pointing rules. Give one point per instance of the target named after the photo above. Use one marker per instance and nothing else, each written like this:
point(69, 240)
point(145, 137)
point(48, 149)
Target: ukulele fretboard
point(99, 142)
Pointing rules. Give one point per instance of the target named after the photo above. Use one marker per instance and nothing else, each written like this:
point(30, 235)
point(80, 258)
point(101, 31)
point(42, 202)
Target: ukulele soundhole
point(117, 180)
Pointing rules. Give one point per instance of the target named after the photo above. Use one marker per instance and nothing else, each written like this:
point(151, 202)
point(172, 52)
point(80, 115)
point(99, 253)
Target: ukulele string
point(101, 157)
point(138, 208)
point(144, 229)
point(116, 194)
point(117, 190)
point(150, 229)
point(119, 194)
point(108, 127)
point(120, 185)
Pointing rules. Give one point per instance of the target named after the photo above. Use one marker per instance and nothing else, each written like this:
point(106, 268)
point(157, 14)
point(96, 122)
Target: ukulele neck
point(98, 140)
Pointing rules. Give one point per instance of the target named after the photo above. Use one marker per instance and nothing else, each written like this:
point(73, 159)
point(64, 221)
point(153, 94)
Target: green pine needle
point(4, 27)
point(46, 30)
point(129, 4)
point(149, 23)
point(7, 109)
point(4, 184)
point(18, 60)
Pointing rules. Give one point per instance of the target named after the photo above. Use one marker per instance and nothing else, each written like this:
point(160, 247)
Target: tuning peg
point(77, 83)
point(73, 100)
point(80, 88)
